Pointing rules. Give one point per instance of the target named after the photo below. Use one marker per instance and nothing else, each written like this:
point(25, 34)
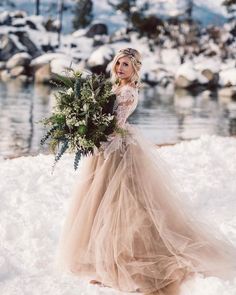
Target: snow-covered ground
point(34, 205)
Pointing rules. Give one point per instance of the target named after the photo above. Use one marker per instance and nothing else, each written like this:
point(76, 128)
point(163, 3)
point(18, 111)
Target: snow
point(228, 77)
point(34, 205)
point(215, 6)
point(100, 55)
point(60, 65)
point(174, 7)
point(47, 57)
point(187, 70)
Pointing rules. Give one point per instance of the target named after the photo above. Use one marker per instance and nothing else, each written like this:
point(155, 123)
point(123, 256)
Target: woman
point(127, 226)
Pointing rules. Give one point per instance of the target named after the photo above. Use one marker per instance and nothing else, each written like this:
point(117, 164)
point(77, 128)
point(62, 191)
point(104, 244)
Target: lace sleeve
point(124, 106)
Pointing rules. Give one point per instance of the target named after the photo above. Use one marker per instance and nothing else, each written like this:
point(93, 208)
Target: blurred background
point(188, 74)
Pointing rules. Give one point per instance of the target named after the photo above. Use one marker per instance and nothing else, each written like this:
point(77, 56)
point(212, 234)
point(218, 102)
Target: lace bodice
point(125, 104)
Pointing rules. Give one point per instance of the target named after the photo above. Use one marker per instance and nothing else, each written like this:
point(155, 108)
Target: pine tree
point(231, 8)
point(126, 7)
point(83, 14)
point(37, 7)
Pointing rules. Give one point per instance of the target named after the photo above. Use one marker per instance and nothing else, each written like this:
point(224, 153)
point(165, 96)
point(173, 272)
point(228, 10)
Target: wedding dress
point(127, 225)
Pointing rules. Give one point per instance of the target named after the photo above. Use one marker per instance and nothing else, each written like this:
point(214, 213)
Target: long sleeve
point(124, 106)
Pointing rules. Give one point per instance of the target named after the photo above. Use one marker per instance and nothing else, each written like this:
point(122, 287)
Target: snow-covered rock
point(101, 56)
point(228, 92)
point(17, 71)
point(43, 74)
point(228, 77)
point(19, 59)
point(46, 58)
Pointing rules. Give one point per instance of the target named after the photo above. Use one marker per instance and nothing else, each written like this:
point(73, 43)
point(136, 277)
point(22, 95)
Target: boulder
point(45, 59)
point(212, 77)
point(52, 25)
point(2, 65)
point(228, 92)
point(19, 59)
point(5, 18)
point(19, 23)
point(31, 24)
point(24, 39)
point(186, 75)
point(100, 58)
point(183, 82)
point(97, 29)
point(19, 70)
point(8, 47)
point(5, 75)
point(228, 77)
point(24, 78)
point(19, 14)
point(43, 75)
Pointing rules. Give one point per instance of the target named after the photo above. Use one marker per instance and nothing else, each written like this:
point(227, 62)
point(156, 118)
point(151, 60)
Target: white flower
point(85, 107)
point(69, 91)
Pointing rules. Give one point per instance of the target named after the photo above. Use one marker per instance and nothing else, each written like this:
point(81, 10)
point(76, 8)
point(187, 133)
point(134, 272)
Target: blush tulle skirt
point(128, 227)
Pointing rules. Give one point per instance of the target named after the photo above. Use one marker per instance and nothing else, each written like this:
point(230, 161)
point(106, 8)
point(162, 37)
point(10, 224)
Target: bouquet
point(83, 116)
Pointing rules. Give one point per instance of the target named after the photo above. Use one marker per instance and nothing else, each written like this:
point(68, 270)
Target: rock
point(228, 92)
point(60, 66)
point(24, 78)
point(24, 39)
point(19, 22)
point(19, 14)
point(2, 65)
point(43, 74)
point(100, 58)
point(212, 78)
point(45, 59)
point(19, 70)
point(170, 57)
point(51, 25)
point(228, 77)
point(79, 33)
point(97, 29)
point(5, 18)
point(186, 75)
point(5, 76)
point(8, 47)
point(19, 59)
point(183, 82)
point(31, 24)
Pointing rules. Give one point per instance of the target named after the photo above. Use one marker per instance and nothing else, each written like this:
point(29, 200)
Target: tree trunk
point(37, 7)
point(60, 17)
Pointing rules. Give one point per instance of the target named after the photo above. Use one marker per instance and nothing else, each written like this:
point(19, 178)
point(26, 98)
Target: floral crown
point(131, 53)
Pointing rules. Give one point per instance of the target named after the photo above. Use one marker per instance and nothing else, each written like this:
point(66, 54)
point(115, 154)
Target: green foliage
point(126, 7)
point(76, 160)
point(83, 13)
point(83, 116)
point(231, 7)
point(146, 25)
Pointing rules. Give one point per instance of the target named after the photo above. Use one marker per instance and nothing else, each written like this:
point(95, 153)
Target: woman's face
point(124, 68)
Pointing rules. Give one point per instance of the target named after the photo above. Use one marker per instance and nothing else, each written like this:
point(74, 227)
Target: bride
point(127, 226)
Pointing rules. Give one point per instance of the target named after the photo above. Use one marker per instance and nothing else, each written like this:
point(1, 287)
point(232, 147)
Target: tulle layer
point(128, 227)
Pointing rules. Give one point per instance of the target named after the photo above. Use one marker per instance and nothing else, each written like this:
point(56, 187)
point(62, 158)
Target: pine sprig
point(76, 159)
point(64, 147)
point(48, 134)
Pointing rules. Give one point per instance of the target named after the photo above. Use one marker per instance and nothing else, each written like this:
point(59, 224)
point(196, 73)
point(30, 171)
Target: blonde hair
point(135, 58)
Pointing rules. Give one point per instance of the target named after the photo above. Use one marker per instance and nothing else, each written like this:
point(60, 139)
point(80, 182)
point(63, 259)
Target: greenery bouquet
point(83, 115)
